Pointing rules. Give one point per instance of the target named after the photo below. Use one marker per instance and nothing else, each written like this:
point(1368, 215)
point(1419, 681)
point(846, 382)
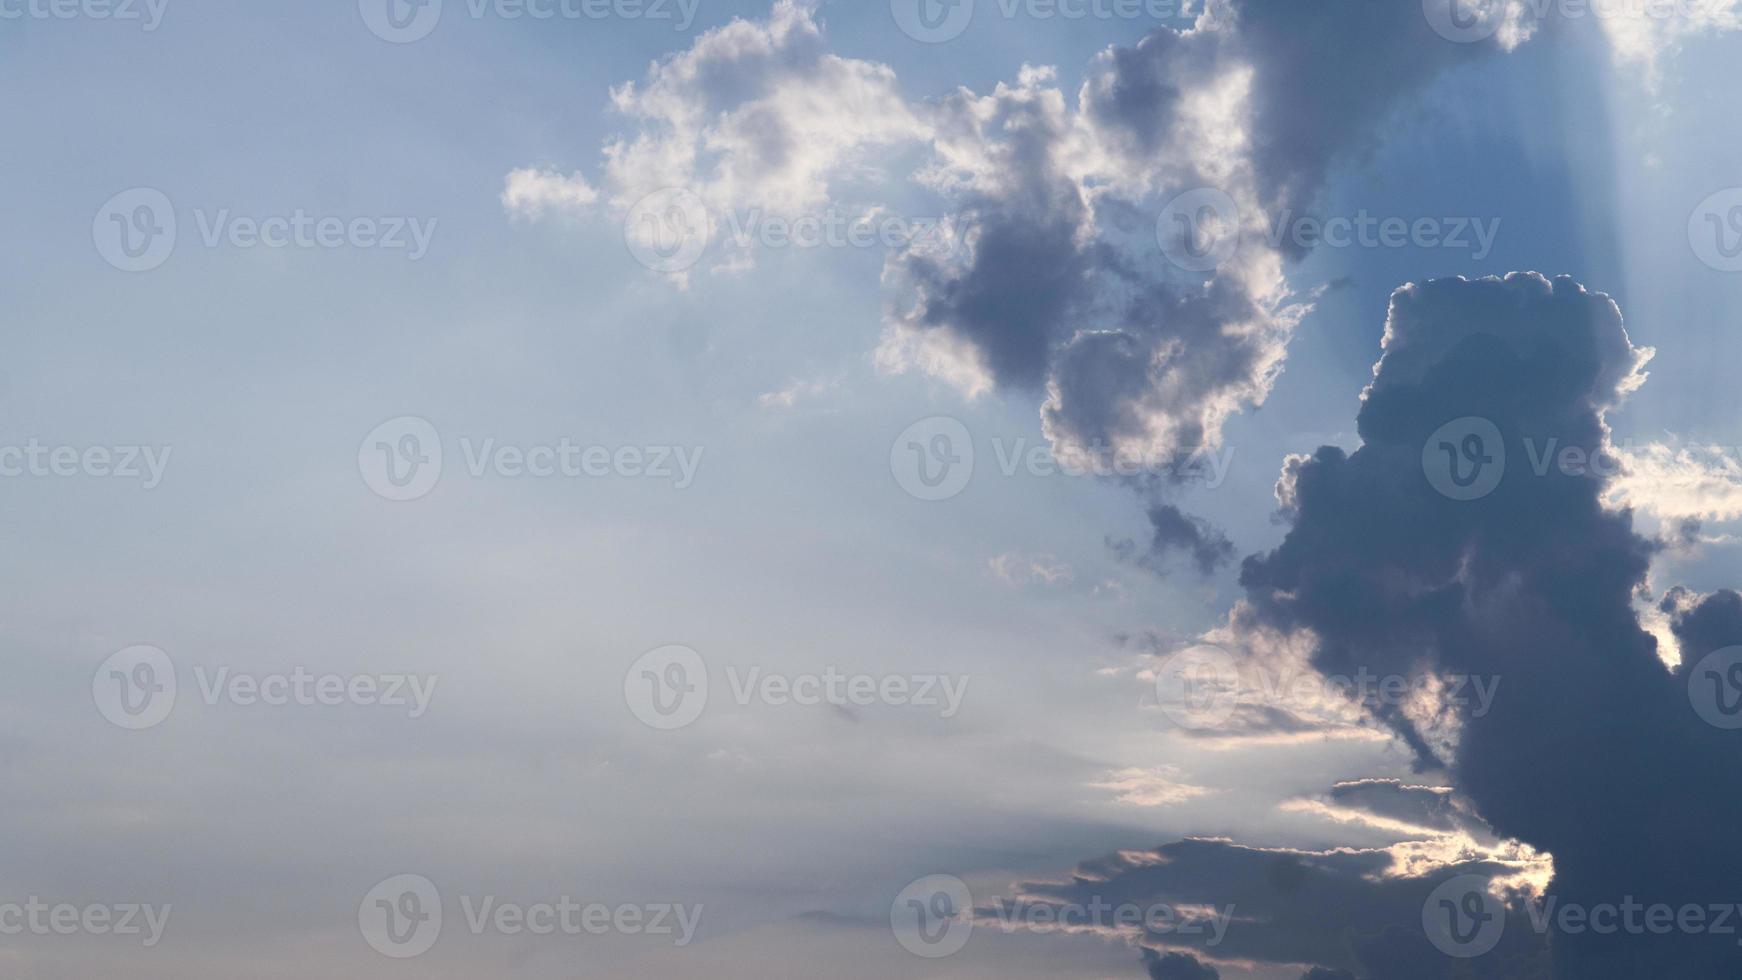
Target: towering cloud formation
point(1592, 750)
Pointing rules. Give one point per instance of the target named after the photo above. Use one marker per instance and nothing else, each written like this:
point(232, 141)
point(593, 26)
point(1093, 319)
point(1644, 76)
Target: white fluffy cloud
point(755, 115)
point(534, 192)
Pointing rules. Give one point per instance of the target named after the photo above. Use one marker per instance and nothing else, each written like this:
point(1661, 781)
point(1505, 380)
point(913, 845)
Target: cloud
point(1175, 531)
point(1177, 966)
point(1591, 751)
point(1158, 786)
point(1018, 570)
point(533, 193)
point(788, 397)
point(1641, 32)
point(1679, 482)
point(755, 114)
point(1349, 909)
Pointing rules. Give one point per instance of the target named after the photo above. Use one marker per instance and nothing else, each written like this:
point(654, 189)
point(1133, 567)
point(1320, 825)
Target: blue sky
point(261, 376)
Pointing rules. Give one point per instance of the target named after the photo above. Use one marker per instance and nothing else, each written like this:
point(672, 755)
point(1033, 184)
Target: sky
point(900, 488)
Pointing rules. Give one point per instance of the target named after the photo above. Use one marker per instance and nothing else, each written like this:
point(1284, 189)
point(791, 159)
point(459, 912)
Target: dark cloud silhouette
point(1177, 966)
point(1591, 751)
point(1176, 531)
point(1344, 910)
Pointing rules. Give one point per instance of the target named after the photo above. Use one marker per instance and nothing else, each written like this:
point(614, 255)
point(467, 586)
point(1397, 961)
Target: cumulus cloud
point(534, 192)
point(1591, 751)
point(755, 114)
point(1679, 482)
point(1344, 909)
point(1641, 32)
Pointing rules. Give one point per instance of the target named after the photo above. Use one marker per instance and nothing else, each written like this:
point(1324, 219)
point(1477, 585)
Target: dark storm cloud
point(1177, 966)
point(1591, 750)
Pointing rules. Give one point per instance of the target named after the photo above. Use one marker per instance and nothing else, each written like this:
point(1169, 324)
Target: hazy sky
point(369, 359)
